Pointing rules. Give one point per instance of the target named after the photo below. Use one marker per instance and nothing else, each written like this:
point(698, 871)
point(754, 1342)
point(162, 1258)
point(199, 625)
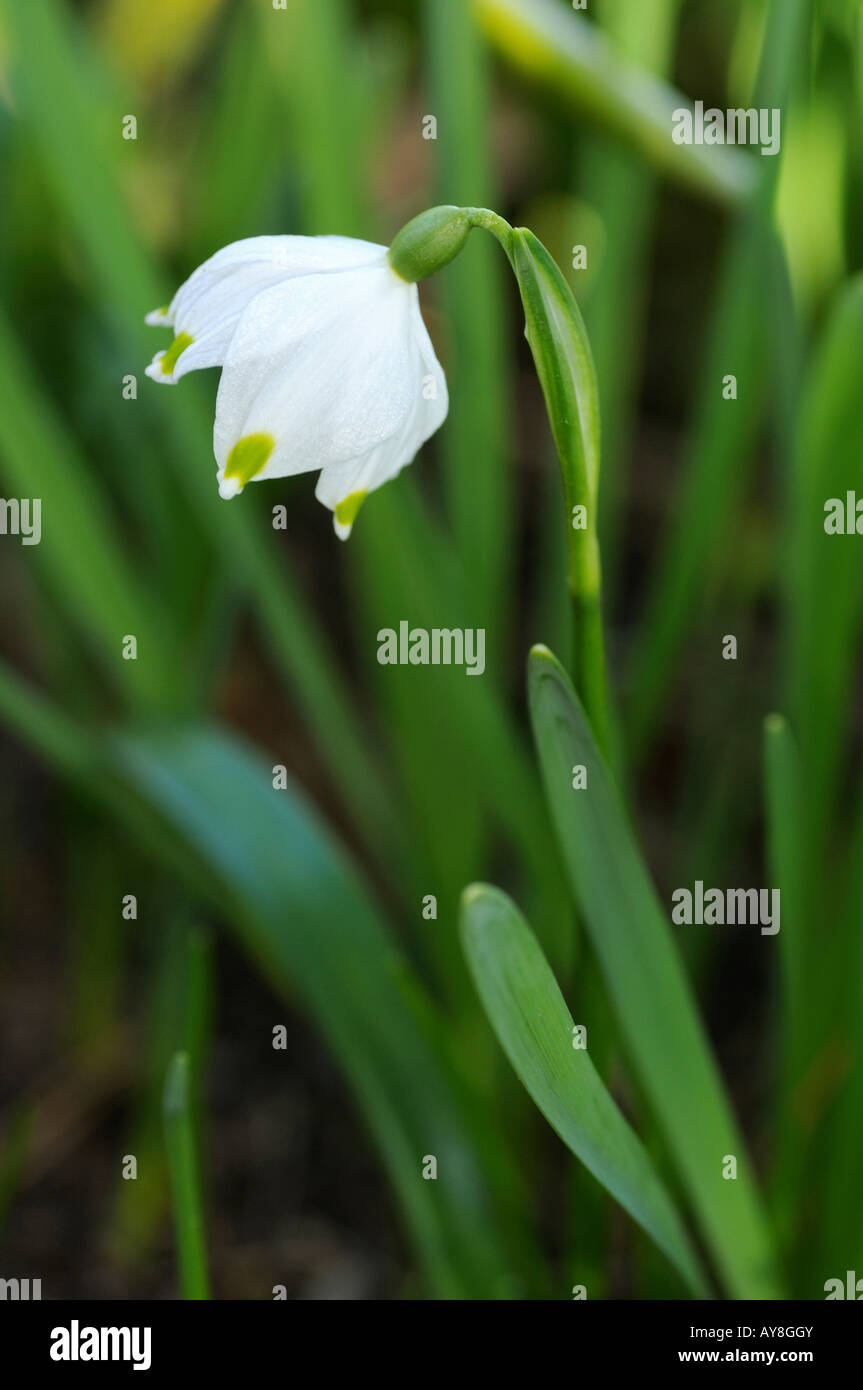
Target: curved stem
point(492, 222)
point(564, 364)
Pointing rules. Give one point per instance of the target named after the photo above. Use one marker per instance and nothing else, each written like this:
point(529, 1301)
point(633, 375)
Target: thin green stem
point(561, 352)
point(589, 663)
point(584, 581)
point(492, 222)
point(185, 1179)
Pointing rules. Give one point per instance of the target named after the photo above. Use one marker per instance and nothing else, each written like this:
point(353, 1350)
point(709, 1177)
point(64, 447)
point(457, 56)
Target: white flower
point(326, 364)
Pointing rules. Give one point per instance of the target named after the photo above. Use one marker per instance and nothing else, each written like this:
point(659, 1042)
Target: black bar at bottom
point(154, 1339)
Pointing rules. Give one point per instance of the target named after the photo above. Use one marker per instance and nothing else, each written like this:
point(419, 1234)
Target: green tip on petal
point(245, 461)
point(346, 513)
point(179, 345)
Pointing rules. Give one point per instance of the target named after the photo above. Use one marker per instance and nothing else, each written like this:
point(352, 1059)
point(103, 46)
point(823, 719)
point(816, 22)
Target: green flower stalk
point(558, 341)
point(185, 1175)
point(561, 352)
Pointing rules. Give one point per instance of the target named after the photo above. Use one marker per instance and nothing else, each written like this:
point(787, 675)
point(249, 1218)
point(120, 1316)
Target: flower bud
point(429, 241)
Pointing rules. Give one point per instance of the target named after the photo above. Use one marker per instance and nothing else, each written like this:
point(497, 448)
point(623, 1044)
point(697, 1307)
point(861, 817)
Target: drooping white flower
point(326, 364)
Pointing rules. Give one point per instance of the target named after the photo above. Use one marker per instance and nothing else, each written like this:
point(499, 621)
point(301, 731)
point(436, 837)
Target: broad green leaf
point(534, 1027)
point(288, 892)
point(631, 936)
point(205, 805)
point(566, 54)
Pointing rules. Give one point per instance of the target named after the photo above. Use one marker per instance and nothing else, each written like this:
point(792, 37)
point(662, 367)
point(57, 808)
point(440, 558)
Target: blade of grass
point(472, 295)
point(79, 553)
point(565, 54)
point(535, 1029)
point(666, 1042)
point(175, 989)
point(624, 191)
point(237, 176)
point(722, 433)
point(317, 59)
point(785, 828)
point(834, 1243)
point(95, 885)
point(184, 1170)
point(825, 595)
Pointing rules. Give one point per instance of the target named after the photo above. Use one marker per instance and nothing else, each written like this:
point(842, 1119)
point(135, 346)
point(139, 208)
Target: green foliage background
point(257, 646)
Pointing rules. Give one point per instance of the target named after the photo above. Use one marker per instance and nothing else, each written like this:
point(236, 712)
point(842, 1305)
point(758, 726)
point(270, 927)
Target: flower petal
point(331, 367)
point(207, 307)
point(344, 486)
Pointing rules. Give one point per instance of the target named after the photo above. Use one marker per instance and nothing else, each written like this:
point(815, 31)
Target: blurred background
point(257, 909)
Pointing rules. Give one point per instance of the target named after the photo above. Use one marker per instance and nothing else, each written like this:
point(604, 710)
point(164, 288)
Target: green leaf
point(630, 933)
point(80, 553)
point(561, 352)
point(624, 191)
point(825, 591)
point(786, 836)
point(564, 53)
point(294, 902)
point(478, 763)
point(825, 619)
point(474, 301)
point(717, 455)
point(786, 833)
point(184, 1169)
point(534, 1027)
point(752, 330)
point(201, 802)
